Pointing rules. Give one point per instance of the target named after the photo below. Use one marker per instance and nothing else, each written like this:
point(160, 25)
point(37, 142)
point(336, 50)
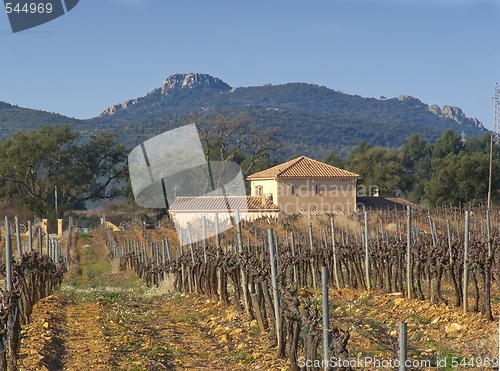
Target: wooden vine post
point(47, 244)
point(326, 319)
point(277, 306)
point(164, 257)
point(292, 245)
point(68, 244)
point(8, 287)
point(18, 238)
point(466, 264)
point(8, 256)
point(489, 261)
point(192, 281)
point(217, 247)
point(167, 247)
point(40, 239)
point(367, 255)
point(408, 255)
point(204, 226)
point(313, 271)
point(244, 284)
point(30, 237)
point(334, 251)
point(183, 269)
point(448, 233)
point(402, 346)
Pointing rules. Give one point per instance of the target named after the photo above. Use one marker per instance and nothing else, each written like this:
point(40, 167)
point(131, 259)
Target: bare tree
point(239, 140)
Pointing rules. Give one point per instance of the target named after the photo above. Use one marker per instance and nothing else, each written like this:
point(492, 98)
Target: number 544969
point(28, 8)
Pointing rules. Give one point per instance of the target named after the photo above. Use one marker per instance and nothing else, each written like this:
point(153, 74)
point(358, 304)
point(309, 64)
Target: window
point(317, 188)
point(294, 190)
point(259, 191)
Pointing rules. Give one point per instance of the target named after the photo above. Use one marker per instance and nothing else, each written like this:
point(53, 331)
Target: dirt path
point(83, 341)
point(104, 319)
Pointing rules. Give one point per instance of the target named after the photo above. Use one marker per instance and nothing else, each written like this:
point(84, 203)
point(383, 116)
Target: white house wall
point(182, 219)
point(268, 186)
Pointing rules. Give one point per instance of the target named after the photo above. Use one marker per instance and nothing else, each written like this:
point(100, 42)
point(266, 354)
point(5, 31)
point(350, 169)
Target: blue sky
point(106, 51)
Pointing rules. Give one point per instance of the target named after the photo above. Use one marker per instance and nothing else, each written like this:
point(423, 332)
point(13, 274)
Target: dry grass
point(166, 286)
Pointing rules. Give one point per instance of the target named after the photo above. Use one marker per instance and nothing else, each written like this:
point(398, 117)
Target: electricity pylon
point(495, 136)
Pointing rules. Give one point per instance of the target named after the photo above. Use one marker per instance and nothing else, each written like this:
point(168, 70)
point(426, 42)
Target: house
point(304, 185)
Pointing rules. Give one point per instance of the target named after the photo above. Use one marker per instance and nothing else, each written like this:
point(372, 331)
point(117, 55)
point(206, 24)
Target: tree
point(33, 163)
point(360, 149)
point(237, 140)
point(448, 143)
point(416, 157)
point(380, 167)
point(415, 150)
point(333, 159)
point(461, 178)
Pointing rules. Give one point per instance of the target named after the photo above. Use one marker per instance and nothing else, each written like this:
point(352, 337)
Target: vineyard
point(36, 272)
point(273, 270)
point(313, 288)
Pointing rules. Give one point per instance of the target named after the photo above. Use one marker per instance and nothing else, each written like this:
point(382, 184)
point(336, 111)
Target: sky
point(107, 51)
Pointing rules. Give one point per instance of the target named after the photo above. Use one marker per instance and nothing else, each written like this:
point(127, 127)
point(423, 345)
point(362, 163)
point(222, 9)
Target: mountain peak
point(192, 81)
point(175, 83)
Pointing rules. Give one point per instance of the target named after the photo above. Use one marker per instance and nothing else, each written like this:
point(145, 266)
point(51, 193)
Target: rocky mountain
point(313, 119)
point(200, 83)
point(455, 114)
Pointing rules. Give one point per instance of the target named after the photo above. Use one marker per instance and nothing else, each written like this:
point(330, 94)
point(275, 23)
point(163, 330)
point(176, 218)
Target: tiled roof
point(222, 204)
point(385, 203)
point(303, 167)
point(402, 201)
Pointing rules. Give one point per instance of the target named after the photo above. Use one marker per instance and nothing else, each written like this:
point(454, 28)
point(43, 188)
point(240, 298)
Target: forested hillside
point(313, 120)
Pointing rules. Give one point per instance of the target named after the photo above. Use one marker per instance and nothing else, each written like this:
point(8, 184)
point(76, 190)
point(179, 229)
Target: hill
point(313, 119)
point(14, 118)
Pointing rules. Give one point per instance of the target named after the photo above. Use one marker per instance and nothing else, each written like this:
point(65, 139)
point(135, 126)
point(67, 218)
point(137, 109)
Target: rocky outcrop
point(174, 83)
point(455, 114)
point(192, 81)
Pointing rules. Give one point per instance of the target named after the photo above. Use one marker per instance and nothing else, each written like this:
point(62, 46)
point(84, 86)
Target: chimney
point(263, 199)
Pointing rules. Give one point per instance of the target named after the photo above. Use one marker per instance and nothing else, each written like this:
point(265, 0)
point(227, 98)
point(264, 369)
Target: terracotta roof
point(303, 167)
point(402, 201)
point(386, 203)
point(222, 204)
